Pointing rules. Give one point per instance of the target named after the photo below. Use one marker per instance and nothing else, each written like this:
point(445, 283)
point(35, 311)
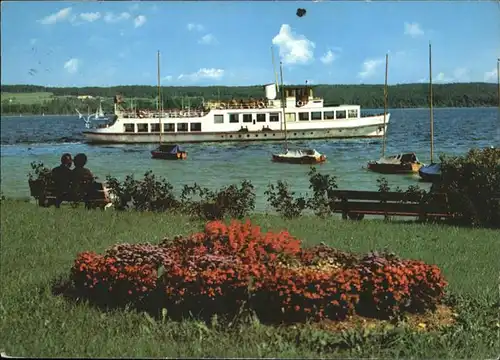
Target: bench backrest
point(383, 196)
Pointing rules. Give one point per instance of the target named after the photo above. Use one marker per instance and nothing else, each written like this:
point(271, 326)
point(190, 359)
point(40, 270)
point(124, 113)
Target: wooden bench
point(45, 191)
point(356, 204)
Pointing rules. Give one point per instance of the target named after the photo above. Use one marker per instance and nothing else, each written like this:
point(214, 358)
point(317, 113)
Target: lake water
point(26, 139)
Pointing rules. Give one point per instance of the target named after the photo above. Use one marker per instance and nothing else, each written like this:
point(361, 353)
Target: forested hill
point(368, 96)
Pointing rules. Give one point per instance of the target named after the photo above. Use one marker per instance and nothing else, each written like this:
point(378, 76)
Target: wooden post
point(159, 95)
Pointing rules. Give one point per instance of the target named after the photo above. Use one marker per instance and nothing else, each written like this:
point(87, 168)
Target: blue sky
point(229, 43)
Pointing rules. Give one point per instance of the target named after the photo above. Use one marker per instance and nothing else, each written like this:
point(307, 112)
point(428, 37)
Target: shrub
point(148, 194)
point(229, 201)
point(472, 183)
point(322, 187)
point(283, 200)
point(229, 267)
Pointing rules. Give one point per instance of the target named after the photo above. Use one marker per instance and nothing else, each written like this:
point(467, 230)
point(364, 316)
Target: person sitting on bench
point(61, 176)
point(82, 178)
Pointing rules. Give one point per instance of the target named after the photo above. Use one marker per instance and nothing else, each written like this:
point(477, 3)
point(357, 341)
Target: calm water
point(26, 139)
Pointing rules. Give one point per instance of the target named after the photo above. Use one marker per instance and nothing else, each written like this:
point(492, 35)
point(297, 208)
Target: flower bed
point(230, 266)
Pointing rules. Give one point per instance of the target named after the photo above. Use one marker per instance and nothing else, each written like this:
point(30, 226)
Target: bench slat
point(382, 196)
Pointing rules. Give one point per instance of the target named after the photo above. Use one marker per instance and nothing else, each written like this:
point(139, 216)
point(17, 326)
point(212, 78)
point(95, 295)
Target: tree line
point(368, 96)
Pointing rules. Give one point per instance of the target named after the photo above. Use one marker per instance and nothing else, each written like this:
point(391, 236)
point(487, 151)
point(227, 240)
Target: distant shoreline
point(362, 109)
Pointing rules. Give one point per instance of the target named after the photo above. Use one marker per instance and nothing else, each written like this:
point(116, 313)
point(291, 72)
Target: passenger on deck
point(62, 178)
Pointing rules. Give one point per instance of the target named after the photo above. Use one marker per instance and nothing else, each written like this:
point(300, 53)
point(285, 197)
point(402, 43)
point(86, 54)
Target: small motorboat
point(397, 164)
point(302, 156)
point(169, 152)
point(430, 173)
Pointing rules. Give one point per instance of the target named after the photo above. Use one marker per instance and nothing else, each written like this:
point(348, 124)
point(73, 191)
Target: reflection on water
point(44, 139)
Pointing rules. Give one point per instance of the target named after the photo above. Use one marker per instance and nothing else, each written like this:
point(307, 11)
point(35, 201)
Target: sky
point(89, 43)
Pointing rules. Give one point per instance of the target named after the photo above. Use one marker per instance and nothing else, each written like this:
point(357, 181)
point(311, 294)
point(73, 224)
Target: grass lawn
point(27, 98)
point(39, 245)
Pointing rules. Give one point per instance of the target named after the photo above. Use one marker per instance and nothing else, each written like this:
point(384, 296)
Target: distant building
point(83, 97)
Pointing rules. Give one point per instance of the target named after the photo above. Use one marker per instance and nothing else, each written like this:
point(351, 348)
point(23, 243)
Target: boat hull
point(406, 168)
point(299, 160)
point(366, 131)
point(168, 156)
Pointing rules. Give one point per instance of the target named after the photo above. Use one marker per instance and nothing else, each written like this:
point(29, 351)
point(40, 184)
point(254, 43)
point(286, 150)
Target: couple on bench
point(77, 184)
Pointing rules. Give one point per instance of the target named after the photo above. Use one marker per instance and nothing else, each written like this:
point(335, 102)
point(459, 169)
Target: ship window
point(142, 127)
point(129, 127)
point(195, 126)
point(168, 127)
point(218, 119)
point(303, 116)
point(353, 113)
point(329, 115)
point(155, 127)
point(261, 117)
point(341, 114)
point(316, 115)
point(274, 117)
point(234, 118)
point(247, 118)
point(182, 127)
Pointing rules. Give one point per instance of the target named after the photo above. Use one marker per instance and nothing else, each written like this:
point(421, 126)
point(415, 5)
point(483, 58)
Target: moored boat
point(430, 173)
point(169, 152)
point(398, 164)
point(301, 156)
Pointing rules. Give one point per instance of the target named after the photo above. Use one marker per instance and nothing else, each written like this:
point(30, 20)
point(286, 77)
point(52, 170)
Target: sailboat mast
point(498, 84)
point(385, 102)
point(283, 104)
point(430, 103)
point(159, 95)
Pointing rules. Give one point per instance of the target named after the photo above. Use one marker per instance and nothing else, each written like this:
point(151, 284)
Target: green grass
point(27, 98)
point(39, 245)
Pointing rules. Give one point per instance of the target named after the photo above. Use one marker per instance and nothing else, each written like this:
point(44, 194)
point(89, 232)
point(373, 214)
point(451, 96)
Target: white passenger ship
point(241, 120)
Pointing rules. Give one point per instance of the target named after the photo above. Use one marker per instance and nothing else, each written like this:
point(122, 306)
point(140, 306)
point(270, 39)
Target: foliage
point(40, 172)
point(283, 200)
point(229, 201)
point(148, 194)
point(322, 187)
point(472, 183)
point(64, 100)
point(233, 266)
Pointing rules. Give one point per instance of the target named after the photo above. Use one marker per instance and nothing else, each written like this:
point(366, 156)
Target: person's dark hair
point(80, 160)
point(66, 159)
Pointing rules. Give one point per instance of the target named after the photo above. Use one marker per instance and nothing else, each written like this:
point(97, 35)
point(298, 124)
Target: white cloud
point(491, 75)
point(370, 67)
point(91, 16)
point(203, 74)
point(168, 78)
point(208, 39)
point(441, 77)
point(61, 15)
point(72, 65)
point(195, 27)
point(293, 49)
point(413, 29)
point(328, 58)
point(112, 18)
point(139, 21)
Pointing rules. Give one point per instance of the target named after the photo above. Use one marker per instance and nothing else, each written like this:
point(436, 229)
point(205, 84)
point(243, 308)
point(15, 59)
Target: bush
point(230, 267)
point(148, 194)
point(472, 183)
point(283, 200)
point(229, 201)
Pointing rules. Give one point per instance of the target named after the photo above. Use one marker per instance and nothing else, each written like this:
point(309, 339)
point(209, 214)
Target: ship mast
point(385, 102)
point(430, 103)
point(283, 104)
point(159, 94)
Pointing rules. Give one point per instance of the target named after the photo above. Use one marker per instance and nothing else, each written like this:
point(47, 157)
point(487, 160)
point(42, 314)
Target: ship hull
point(366, 131)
